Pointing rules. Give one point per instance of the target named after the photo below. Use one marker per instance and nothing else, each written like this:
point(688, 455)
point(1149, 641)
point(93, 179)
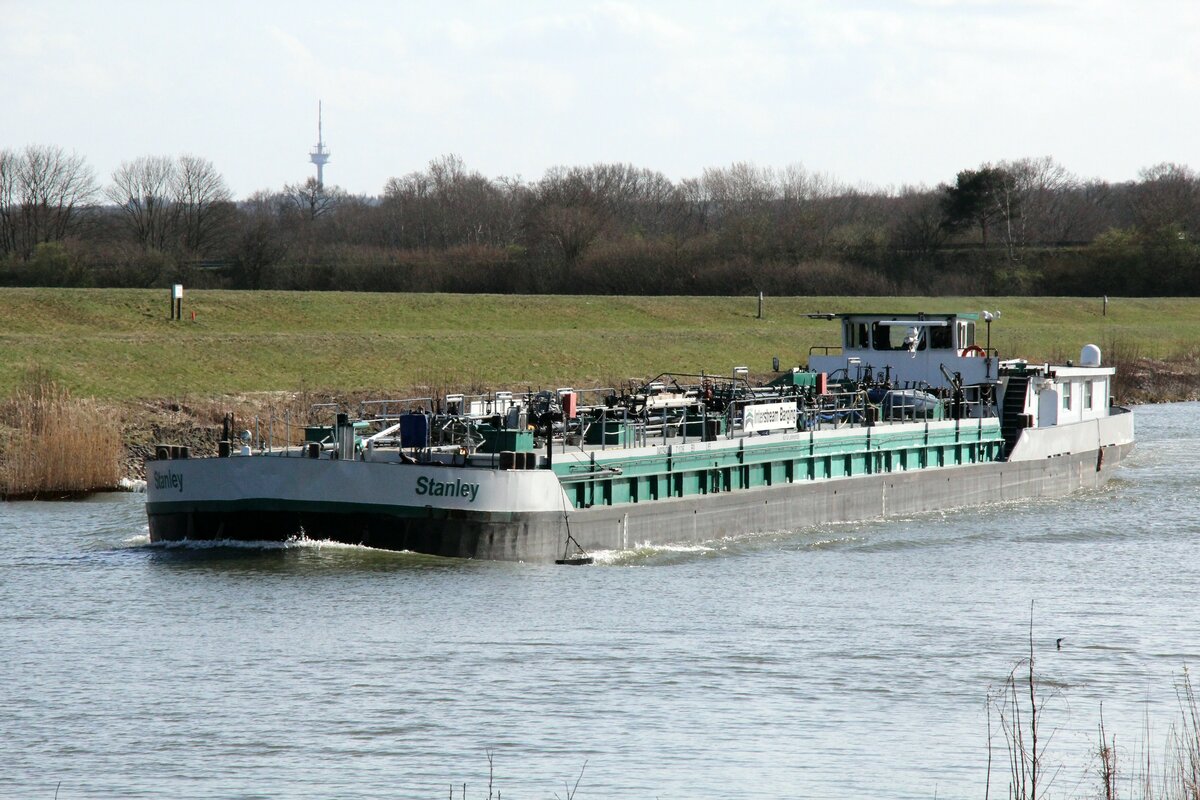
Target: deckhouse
point(937, 350)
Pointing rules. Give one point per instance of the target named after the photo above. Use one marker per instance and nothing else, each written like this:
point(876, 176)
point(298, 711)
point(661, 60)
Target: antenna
point(319, 155)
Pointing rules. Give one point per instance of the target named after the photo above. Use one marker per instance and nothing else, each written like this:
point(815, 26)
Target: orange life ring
point(974, 350)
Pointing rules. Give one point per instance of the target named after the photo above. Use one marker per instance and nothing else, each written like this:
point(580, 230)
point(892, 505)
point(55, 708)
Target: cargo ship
point(908, 414)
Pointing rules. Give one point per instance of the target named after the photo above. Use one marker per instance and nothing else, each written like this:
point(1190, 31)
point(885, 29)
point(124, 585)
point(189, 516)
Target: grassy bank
point(119, 344)
point(275, 353)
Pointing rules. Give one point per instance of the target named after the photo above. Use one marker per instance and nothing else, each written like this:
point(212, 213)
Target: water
point(849, 660)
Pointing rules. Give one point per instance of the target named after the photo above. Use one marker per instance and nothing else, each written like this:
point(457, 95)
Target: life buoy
point(974, 350)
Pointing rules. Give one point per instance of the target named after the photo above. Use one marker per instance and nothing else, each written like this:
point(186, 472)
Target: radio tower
point(319, 155)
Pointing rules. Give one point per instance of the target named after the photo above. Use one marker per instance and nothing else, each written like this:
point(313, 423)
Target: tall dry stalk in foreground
point(1183, 745)
point(1020, 710)
point(55, 444)
point(1021, 707)
point(1179, 775)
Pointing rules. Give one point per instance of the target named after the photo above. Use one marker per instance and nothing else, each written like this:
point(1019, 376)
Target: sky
point(878, 94)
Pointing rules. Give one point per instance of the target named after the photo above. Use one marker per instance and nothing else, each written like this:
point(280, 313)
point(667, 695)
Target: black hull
point(458, 537)
point(542, 536)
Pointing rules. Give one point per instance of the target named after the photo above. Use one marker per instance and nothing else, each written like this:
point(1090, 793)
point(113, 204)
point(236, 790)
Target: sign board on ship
point(769, 417)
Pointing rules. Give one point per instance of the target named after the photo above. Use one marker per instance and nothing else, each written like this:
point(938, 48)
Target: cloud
point(878, 90)
point(638, 20)
point(292, 46)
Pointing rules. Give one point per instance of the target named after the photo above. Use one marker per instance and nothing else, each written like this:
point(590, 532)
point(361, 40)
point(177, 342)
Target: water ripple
point(824, 661)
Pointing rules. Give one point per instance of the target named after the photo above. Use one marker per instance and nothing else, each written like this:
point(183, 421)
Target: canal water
point(832, 661)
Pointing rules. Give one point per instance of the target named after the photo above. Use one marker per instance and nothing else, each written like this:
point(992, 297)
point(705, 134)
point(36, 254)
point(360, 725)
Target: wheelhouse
point(934, 350)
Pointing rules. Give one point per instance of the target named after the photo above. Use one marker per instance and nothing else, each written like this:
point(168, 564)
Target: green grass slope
point(120, 344)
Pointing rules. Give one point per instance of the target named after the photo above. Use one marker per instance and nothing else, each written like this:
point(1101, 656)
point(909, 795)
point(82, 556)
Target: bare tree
point(1168, 195)
point(10, 207)
point(566, 212)
point(407, 207)
point(919, 229)
point(452, 204)
point(468, 208)
point(56, 187)
point(696, 212)
point(642, 201)
point(447, 205)
point(514, 194)
point(634, 200)
point(309, 200)
point(259, 244)
point(1092, 207)
point(43, 193)
point(741, 185)
point(203, 202)
point(144, 191)
point(742, 198)
point(1041, 187)
point(812, 205)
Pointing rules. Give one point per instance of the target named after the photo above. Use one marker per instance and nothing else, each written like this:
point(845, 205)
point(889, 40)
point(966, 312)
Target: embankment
point(272, 355)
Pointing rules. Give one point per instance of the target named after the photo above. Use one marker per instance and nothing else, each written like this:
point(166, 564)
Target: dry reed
point(56, 445)
point(1021, 709)
point(1178, 775)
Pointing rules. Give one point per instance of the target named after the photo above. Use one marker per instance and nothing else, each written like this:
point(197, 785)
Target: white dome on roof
point(1089, 356)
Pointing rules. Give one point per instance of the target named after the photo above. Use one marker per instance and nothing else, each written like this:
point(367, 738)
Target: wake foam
point(648, 552)
point(294, 543)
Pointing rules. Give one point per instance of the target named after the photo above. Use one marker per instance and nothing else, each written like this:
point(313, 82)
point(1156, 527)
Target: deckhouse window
point(1066, 395)
point(856, 336)
point(966, 335)
point(1087, 394)
point(896, 337)
point(940, 337)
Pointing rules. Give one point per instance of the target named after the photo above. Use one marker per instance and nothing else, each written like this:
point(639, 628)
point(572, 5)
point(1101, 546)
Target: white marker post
point(177, 301)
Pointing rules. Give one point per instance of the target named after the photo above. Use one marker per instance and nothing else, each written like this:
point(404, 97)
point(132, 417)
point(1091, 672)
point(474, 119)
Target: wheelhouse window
point(966, 334)
point(896, 337)
point(857, 336)
point(1066, 395)
point(1087, 394)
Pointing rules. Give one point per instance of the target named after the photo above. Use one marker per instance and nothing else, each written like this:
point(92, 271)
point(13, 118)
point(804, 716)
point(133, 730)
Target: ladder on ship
point(1013, 411)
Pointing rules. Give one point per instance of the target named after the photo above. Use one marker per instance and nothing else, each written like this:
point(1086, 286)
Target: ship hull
point(525, 516)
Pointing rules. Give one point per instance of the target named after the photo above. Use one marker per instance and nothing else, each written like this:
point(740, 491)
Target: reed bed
point(1169, 771)
point(1173, 773)
point(55, 444)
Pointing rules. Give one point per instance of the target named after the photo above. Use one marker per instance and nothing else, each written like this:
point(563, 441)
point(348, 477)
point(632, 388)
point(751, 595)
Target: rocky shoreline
point(1156, 380)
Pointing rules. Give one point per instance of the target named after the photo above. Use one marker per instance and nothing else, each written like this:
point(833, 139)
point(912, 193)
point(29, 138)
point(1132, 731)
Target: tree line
point(1027, 226)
